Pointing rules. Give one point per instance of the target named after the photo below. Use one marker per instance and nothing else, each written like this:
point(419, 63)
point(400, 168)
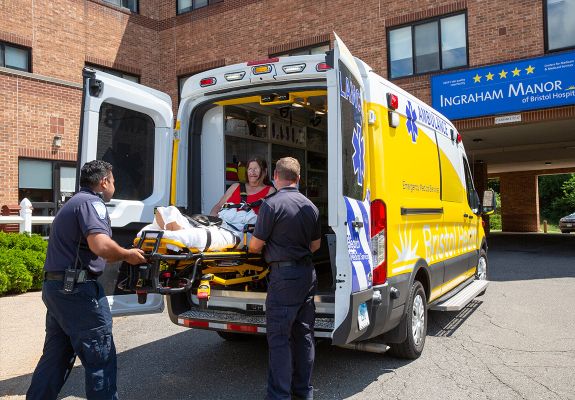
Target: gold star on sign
point(503, 74)
point(516, 71)
point(530, 69)
point(477, 78)
point(489, 76)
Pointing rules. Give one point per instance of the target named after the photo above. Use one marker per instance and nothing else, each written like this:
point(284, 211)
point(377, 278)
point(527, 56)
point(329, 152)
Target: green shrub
point(19, 278)
point(495, 222)
point(3, 282)
point(21, 262)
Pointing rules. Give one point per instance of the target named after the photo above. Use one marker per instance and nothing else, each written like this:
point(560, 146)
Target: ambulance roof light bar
point(235, 76)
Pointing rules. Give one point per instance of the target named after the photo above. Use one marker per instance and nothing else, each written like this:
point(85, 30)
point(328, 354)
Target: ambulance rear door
point(130, 126)
point(349, 206)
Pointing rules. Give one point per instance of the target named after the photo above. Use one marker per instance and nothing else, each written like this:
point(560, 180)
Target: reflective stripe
point(191, 323)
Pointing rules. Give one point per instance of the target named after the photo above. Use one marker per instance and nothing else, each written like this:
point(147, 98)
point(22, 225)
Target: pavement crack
point(535, 380)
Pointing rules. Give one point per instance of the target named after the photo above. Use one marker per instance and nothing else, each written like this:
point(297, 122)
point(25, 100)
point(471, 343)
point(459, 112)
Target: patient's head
point(257, 171)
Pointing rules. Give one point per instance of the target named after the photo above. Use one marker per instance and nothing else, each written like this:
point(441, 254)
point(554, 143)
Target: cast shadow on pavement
point(200, 365)
point(446, 323)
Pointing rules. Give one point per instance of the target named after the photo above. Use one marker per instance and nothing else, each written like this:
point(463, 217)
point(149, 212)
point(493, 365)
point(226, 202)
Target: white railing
point(25, 219)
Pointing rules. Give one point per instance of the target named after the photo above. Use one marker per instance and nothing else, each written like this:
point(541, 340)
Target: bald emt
point(78, 318)
point(288, 232)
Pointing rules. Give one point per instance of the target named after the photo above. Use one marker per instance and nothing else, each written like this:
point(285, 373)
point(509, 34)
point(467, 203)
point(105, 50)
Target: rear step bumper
point(462, 298)
point(238, 322)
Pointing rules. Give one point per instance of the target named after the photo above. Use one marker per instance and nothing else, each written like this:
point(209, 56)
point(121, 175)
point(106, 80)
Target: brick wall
point(33, 111)
point(159, 45)
point(520, 200)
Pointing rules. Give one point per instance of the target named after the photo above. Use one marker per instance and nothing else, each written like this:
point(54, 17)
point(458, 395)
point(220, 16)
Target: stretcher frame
point(169, 271)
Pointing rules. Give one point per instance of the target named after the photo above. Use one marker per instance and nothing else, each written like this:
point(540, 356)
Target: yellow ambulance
point(401, 218)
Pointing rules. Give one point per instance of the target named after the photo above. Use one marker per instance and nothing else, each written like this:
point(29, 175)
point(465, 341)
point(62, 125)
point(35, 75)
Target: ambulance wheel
point(481, 273)
point(233, 336)
point(415, 324)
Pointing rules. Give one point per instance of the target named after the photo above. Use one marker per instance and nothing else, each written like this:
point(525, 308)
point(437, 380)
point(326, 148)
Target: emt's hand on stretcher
point(135, 256)
point(103, 246)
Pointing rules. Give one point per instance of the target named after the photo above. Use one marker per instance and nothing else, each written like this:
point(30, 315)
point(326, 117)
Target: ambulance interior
point(275, 125)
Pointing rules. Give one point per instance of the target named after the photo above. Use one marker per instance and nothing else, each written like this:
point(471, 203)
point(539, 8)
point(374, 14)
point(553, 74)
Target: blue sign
point(541, 82)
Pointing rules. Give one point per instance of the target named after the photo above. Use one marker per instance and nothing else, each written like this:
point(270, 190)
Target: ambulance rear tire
point(233, 336)
point(415, 323)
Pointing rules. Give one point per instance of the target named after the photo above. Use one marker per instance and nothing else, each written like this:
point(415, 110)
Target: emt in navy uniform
point(78, 321)
point(288, 232)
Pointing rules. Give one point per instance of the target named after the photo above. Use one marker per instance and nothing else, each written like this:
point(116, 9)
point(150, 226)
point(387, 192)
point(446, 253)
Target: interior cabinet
point(250, 133)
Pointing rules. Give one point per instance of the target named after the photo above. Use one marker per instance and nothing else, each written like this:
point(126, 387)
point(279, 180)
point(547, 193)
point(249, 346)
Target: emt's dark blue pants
point(290, 317)
point(77, 323)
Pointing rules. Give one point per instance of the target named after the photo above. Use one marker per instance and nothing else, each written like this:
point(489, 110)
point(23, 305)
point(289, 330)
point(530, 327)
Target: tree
point(556, 196)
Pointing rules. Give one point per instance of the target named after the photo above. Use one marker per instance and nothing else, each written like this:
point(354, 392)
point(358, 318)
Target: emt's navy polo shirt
point(85, 213)
point(288, 222)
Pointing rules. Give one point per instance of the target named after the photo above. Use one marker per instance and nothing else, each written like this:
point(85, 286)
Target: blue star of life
point(410, 122)
point(357, 158)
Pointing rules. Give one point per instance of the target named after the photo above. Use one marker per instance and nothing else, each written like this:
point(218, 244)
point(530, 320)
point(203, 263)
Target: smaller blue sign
point(535, 83)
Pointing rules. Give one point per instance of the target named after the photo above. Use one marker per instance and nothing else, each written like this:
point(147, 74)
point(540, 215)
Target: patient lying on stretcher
point(237, 209)
point(195, 235)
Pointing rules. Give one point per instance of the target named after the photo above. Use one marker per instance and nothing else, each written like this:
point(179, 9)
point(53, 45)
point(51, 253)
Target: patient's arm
point(170, 226)
point(224, 199)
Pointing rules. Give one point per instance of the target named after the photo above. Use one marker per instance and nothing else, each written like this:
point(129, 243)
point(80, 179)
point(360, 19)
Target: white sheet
point(196, 237)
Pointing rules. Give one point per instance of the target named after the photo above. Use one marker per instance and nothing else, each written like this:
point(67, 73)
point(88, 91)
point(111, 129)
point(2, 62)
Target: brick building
point(46, 43)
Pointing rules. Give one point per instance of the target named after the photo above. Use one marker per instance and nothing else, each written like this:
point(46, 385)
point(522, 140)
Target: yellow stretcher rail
point(174, 257)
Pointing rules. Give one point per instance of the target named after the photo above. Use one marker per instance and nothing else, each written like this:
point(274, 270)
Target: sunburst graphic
point(572, 87)
point(407, 252)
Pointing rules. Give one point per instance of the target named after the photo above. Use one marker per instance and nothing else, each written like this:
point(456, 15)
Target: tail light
point(379, 241)
point(207, 82)
point(321, 67)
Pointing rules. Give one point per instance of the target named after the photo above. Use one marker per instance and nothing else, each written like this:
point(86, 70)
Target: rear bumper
point(567, 226)
point(232, 321)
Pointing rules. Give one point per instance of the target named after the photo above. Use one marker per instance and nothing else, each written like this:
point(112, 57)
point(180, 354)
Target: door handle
point(357, 224)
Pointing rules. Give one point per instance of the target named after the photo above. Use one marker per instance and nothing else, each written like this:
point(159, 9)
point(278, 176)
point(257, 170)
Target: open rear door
point(349, 207)
point(130, 126)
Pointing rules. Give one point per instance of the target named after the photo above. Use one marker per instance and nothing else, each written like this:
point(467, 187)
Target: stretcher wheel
point(142, 297)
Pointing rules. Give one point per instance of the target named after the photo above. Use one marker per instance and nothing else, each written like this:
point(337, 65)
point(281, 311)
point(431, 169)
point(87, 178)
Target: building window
point(427, 46)
point(115, 72)
point(560, 25)
point(15, 57)
point(131, 5)
point(47, 184)
point(185, 6)
point(316, 49)
point(181, 80)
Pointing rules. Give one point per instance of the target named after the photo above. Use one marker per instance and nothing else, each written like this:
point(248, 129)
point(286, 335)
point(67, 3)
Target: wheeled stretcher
point(173, 267)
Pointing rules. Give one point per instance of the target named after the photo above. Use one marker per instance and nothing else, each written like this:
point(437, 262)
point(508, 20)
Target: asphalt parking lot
point(516, 342)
